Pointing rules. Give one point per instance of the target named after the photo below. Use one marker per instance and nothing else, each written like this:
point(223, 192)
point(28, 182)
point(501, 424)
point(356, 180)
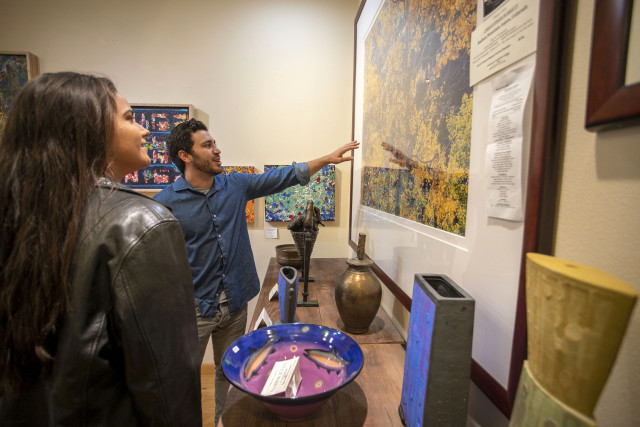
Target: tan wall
point(273, 79)
point(597, 220)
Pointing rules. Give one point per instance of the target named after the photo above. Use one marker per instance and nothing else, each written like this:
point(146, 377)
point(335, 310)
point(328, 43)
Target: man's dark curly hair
point(180, 139)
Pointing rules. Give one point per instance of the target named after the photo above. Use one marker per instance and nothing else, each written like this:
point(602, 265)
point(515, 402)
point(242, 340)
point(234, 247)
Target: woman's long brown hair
point(52, 151)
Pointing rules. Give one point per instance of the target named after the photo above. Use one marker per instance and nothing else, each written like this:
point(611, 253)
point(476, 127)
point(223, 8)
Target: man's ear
point(184, 156)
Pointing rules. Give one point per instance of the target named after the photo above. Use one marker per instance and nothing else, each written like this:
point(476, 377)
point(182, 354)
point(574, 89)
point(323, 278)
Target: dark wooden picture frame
point(541, 186)
point(611, 103)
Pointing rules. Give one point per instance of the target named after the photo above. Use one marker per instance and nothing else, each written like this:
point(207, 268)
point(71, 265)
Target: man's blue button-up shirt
point(215, 231)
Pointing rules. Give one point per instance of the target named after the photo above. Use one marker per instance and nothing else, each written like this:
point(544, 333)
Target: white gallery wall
point(273, 80)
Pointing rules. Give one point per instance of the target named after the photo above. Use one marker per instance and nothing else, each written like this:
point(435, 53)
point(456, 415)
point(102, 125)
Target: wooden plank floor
point(207, 380)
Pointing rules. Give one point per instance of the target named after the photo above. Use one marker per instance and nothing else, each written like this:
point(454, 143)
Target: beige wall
point(273, 79)
point(598, 216)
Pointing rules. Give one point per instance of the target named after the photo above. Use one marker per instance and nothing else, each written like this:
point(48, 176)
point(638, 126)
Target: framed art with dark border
point(159, 119)
point(446, 230)
point(16, 69)
point(611, 103)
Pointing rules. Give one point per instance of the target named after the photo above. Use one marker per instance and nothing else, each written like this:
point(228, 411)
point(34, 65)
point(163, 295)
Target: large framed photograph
point(613, 100)
point(418, 188)
point(159, 119)
point(16, 69)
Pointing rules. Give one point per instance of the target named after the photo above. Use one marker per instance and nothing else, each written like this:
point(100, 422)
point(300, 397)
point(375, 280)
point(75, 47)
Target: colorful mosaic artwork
point(250, 208)
point(13, 75)
point(417, 112)
point(286, 206)
point(159, 121)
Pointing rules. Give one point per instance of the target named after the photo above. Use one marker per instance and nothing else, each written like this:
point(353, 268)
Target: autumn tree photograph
point(417, 112)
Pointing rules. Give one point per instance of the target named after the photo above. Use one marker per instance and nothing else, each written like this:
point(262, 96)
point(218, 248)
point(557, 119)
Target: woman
point(96, 300)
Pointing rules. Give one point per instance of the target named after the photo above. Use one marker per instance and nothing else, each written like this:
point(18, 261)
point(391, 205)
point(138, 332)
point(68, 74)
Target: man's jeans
point(223, 329)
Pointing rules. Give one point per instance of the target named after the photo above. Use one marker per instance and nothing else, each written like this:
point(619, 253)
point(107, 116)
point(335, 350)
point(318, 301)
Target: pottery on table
point(329, 360)
point(358, 293)
point(287, 293)
point(435, 386)
point(287, 255)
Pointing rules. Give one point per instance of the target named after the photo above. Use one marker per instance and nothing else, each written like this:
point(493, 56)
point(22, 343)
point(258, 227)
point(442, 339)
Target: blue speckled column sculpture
point(435, 388)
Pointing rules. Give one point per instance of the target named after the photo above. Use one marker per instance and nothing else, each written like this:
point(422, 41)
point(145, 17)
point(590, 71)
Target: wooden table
point(371, 399)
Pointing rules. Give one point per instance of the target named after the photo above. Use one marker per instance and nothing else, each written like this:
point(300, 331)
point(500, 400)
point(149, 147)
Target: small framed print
point(159, 120)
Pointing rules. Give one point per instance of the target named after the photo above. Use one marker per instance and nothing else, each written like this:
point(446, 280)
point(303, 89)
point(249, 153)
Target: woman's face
point(128, 150)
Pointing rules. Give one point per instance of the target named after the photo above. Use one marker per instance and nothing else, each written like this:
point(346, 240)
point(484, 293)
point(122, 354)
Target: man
point(210, 207)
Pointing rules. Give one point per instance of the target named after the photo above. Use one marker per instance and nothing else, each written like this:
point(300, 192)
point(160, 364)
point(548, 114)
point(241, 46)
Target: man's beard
point(205, 165)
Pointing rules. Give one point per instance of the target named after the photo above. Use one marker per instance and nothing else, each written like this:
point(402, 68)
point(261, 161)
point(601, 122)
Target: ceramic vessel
point(358, 293)
point(576, 319)
point(535, 406)
point(287, 293)
point(329, 360)
point(287, 255)
point(435, 386)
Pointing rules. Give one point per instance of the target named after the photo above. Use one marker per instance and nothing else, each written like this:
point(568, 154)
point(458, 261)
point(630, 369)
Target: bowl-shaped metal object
point(287, 256)
point(328, 360)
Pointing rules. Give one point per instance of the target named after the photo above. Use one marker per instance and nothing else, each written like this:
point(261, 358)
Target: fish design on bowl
point(328, 358)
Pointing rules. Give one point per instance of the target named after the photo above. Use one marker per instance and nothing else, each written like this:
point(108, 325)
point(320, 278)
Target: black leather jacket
point(127, 353)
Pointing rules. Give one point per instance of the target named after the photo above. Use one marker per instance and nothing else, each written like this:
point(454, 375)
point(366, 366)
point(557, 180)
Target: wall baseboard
point(208, 368)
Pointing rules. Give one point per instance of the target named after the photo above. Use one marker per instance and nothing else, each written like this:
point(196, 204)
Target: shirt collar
point(182, 184)
point(218, 182)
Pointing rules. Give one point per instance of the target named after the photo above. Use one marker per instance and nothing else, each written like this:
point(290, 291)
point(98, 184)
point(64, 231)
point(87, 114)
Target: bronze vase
point(358, 293)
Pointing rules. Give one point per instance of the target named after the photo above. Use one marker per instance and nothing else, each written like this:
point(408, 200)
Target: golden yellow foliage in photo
point(417, 112)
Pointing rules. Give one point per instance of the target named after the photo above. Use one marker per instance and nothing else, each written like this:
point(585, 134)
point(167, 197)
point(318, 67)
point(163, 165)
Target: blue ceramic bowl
point(328, 359)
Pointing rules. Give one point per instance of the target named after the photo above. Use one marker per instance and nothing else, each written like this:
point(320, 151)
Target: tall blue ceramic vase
point(435, 388)
point(287, 293)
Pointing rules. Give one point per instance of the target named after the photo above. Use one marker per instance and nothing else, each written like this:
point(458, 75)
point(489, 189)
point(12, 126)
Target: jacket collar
point(108, 183)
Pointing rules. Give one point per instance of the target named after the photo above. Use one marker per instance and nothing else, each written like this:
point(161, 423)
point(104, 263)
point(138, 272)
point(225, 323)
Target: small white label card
point(273, 292)
point(271, 233)
point(284, 378)
point(263, 320)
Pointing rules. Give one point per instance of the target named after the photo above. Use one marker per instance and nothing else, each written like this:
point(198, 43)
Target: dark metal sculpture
point(309, 221)
point(305, 232)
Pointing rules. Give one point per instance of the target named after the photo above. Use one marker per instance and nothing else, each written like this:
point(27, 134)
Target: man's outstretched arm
point(334, 158)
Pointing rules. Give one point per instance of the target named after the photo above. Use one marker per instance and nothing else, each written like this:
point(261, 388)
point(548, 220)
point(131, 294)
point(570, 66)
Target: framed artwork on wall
point(16, 69)
point(612, 100)
point(159, 119)
point(250, 208)
point(417, 184)
point(287, 205)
